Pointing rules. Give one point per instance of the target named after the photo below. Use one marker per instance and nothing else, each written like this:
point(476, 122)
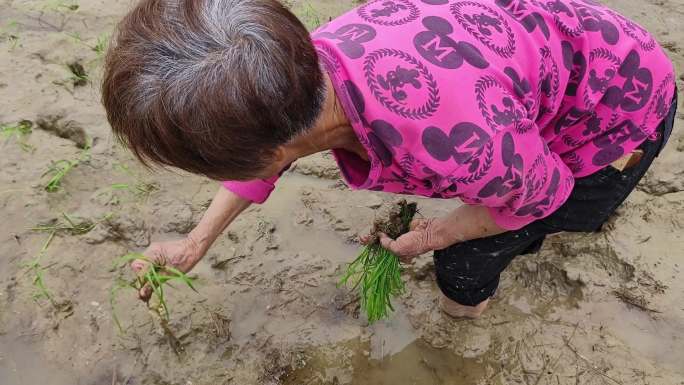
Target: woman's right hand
point(182, 254)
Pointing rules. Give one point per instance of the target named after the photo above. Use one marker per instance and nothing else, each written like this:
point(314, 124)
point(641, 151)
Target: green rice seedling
point(9, 33)
point(59, 169)
point(79, 77)
point(140, 188)
point(157, 278)
point(61, 6)
point(35, 268)
point(101, 45)
point(20, 131)
point(71, 225)
point(376, 272)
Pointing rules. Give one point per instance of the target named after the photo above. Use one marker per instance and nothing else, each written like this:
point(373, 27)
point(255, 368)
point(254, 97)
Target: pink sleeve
point(257, 190)
point(525, 181)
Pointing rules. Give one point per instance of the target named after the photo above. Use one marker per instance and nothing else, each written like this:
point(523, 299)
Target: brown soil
point(602, 308)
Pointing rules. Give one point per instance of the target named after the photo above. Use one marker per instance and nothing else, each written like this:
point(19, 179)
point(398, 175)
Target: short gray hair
point(211, 86)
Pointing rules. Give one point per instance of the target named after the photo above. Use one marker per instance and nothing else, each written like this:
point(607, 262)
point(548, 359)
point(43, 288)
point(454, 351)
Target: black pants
point(468, 272)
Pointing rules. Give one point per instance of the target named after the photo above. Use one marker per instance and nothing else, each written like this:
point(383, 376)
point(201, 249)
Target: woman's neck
point(331, 131)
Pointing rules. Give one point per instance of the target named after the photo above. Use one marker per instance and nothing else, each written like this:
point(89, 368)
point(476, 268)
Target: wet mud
point(602, 308)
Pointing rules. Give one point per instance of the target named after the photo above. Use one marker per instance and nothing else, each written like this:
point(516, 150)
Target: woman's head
point(211, 86)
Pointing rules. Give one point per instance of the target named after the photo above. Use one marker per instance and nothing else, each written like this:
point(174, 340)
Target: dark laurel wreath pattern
point(505, 52)
point(482, 170)
point(538, 161)
point(576, 143)
point(600, 53)
point(624, 23)
point(414, 12)
point(546, 54)
point(427, 110)
point(406, 163)
point(566, 29)
point(574, 162)
point(659, 95)
point(482, 85)
point(329, 57)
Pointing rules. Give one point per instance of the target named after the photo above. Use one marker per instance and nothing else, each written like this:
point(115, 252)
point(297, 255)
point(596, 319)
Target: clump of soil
point(394, 219)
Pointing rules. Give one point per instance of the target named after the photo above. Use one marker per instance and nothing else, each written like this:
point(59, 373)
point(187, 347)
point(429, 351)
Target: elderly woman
point(541, 116)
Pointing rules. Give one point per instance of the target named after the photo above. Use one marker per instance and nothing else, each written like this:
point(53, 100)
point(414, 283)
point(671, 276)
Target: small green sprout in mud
point(61, 5)
point(140, 188)
point(100, 46)
point(70, 225)
point(20, 131)
point(35, 268)
point(59, 169)
point(157, 277)
point(79, 76)
point(9, 32)
point(376, 273)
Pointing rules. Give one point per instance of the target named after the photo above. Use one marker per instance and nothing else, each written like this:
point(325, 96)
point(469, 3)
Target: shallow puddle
point(416, 363)
point(22, 364)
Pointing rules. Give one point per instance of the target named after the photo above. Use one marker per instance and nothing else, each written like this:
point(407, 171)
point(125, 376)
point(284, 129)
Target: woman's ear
point(281, 156)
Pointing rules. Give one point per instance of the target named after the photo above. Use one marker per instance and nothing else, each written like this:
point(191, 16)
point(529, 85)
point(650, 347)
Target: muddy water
point(23, 362)
point(272, 277)
point(417, 363)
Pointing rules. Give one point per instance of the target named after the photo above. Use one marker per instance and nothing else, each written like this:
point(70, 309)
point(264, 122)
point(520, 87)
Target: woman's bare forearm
point(224, 208)
point(465, 223)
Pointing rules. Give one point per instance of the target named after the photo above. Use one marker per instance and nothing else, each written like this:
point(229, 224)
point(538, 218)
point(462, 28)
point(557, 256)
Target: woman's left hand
point(425, 235)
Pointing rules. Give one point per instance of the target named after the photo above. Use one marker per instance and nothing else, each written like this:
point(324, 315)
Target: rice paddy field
point(597, 309)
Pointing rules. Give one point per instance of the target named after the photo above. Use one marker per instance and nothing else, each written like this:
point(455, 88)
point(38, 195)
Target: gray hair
point(208, 81)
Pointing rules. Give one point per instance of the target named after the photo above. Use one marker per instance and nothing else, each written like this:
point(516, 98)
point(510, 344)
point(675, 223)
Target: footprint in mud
point(67, 129)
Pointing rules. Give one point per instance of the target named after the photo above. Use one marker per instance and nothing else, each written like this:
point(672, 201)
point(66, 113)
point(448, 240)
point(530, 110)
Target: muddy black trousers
point(468, 272)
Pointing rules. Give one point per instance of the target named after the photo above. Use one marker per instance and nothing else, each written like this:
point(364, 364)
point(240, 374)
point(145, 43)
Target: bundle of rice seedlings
point(376, 273)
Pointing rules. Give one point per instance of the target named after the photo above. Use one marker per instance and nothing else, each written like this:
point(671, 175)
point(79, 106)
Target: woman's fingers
point(365, 239)
point(404, 247)
point(418, 224)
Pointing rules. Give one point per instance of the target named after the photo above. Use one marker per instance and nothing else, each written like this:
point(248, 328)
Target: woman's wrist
point(196, 246)
point(444, 232)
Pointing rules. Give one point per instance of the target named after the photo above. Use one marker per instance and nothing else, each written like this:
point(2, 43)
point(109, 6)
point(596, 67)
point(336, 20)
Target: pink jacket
point(499, 103)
